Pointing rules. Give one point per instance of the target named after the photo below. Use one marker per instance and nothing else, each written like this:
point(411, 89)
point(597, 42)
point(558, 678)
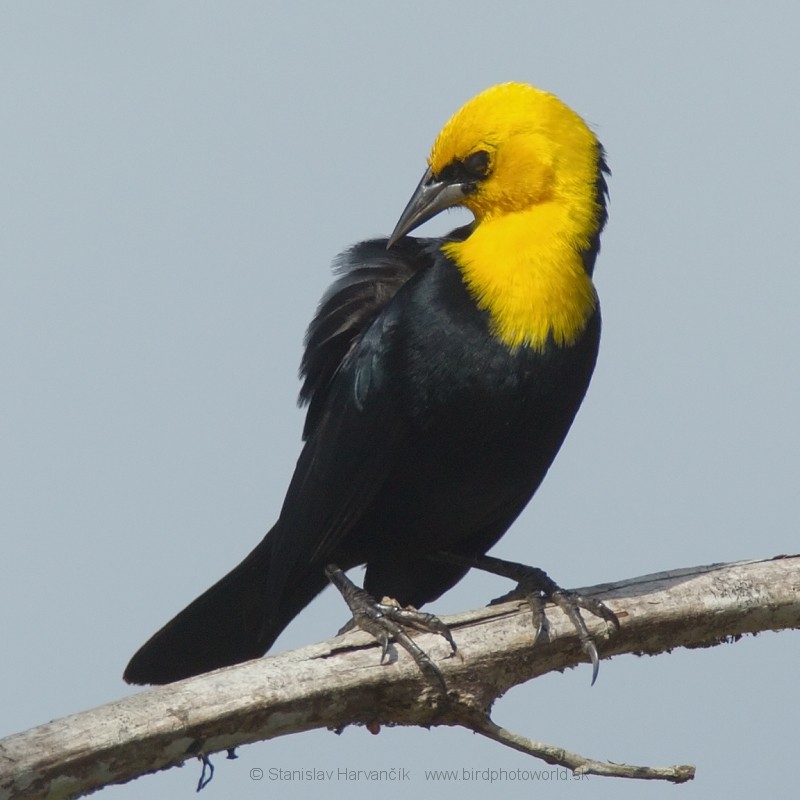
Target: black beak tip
point(430, 197)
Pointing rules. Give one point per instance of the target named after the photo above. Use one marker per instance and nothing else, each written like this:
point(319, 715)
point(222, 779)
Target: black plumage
point(424, 433)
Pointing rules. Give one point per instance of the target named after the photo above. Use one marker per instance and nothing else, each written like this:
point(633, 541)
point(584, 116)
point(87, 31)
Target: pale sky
point(175, 181)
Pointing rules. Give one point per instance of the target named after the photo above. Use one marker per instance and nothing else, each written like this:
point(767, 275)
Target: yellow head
point(531, 172)
point(525, 147)
point(509, 149)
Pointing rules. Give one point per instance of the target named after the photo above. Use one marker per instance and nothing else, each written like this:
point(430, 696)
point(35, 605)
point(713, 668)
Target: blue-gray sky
point(175, 180)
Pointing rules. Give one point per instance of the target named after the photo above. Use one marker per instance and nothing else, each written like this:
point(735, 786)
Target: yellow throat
point(537, 211)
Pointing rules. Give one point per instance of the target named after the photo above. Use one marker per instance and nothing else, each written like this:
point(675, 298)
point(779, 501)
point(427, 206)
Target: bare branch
point(340, 682)
point(552, 754)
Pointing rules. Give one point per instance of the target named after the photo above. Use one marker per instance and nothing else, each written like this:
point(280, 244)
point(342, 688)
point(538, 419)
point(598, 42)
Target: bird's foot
point(536, 587)
point(387, 621)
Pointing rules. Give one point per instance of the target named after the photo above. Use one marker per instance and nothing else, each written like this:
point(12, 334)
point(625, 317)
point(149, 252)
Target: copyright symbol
point(256, 774)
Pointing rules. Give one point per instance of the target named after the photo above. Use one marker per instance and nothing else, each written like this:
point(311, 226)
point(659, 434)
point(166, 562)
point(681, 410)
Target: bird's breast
point(526, 271)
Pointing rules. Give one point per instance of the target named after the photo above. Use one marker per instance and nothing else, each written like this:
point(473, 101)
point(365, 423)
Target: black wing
point(353, 428)
point(370, 276)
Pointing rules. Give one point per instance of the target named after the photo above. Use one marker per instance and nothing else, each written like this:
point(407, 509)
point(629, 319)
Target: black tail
point(229, 623)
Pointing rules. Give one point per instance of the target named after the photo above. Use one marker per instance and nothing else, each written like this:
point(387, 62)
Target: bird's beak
point(429, 198)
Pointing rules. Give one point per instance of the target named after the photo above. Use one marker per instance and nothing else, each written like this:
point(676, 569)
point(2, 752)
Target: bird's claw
point(386, 621)
point(536, 587)
point(571, 603)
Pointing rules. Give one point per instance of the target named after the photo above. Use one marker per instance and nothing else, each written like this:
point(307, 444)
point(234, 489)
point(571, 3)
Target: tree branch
point(340, 682)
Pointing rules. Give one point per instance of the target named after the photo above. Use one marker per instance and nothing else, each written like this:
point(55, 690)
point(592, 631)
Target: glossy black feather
point(601, 190)
point(369, 277)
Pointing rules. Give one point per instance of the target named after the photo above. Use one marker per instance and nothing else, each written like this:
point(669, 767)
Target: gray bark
point(340, 682)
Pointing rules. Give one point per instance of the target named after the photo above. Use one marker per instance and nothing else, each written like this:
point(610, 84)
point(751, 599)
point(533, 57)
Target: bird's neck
point(526, 269)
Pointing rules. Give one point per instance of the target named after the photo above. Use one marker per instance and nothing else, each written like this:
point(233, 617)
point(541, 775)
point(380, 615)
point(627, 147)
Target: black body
point(424, 433)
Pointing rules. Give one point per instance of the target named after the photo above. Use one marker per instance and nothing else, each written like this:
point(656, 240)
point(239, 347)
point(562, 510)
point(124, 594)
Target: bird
point(441, 376)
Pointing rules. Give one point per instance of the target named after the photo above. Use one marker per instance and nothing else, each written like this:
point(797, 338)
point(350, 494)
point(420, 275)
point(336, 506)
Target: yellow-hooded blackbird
point(441, 376)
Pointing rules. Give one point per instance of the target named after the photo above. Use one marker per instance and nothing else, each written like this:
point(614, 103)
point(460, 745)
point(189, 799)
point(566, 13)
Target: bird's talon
point(535, 586)
point(387, 620)
point(590, 650)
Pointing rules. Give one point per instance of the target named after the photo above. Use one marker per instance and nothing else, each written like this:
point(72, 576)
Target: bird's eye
point(477, 164)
